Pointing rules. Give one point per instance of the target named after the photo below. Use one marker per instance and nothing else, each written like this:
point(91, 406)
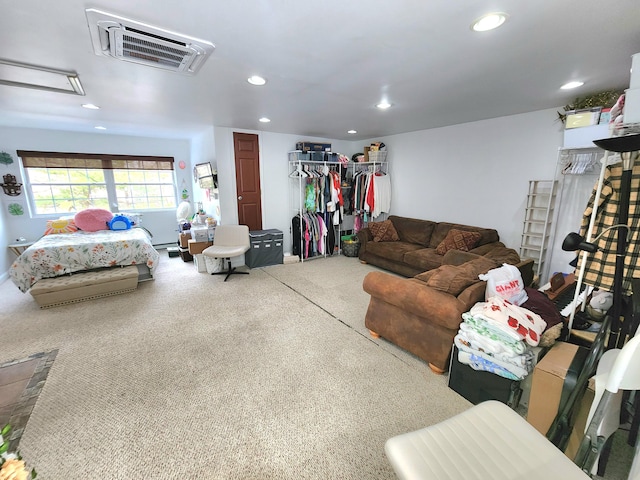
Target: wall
point(274, 173)
point(474, 173)
point(161, 224)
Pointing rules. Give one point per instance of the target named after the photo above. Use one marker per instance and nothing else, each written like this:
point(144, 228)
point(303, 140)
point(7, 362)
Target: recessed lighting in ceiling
point(91, 106)
point(489, 21)
point(100, 127)
point(570, 85)
point(383, 105)
point(351, 132)
point(256, 80)
point(264, 120)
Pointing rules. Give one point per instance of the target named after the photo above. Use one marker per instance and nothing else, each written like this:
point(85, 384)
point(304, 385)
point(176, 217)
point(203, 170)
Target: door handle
point(239, 197)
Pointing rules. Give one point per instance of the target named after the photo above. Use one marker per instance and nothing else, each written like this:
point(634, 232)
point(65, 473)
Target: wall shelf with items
point(315, 202)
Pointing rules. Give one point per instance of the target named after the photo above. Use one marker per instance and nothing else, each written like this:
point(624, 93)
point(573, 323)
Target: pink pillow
point(93, 219)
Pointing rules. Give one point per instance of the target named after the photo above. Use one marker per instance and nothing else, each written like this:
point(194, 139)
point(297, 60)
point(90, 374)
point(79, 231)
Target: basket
point(350, 248)
point(377, 155)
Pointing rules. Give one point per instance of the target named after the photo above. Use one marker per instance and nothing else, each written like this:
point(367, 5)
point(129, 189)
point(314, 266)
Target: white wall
point(161, 224)
point(274, 174)
point(474, 173)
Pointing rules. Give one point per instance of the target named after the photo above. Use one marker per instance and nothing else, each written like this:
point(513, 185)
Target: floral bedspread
point(55, 255)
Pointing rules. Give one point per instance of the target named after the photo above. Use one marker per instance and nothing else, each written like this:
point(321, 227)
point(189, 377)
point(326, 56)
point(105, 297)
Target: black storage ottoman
point(265, 248)
point(478, 386)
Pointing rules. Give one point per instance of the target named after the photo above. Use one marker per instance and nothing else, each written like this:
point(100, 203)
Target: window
point(62, 183)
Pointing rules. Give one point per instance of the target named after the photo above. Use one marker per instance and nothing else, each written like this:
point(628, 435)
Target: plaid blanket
point(600, 266)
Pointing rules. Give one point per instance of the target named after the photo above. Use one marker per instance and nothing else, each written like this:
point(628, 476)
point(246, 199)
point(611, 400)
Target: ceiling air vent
point(136, 42)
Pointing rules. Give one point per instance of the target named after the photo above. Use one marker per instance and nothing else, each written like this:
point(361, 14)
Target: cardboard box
point(185, 255)
point(581, 420)
point(198, 247)
point(183, 239)
point(553, 379)
point(582, 118)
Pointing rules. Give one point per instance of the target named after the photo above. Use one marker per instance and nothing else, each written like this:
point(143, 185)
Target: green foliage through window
point(61, 184)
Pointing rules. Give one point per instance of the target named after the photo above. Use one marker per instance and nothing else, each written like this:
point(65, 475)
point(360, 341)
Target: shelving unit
point(351, 169)
point(577, 172)
point(303, 166)
point(537, 223)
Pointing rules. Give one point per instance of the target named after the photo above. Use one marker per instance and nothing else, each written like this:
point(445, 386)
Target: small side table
point(19, 247)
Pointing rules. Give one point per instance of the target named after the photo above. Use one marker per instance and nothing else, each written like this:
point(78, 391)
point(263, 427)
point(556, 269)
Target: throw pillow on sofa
point(454, 279)
point(383, 231)
point(458, 240)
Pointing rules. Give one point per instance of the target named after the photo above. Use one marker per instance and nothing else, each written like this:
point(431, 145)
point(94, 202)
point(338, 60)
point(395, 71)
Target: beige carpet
point(267, 376)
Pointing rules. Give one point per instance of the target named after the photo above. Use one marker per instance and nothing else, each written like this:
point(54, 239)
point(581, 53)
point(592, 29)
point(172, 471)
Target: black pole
point(615, 341)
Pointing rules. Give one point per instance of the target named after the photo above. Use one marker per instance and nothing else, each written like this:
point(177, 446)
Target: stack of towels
point(497, 336)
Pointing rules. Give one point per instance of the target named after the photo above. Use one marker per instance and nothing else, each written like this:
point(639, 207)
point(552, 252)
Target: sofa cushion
point(453, 279)
point(423, 259)
point(391, 250)
point(413, 230)
point(487, 235)
point(503, 255)
point(458, 240)
point(383, 231)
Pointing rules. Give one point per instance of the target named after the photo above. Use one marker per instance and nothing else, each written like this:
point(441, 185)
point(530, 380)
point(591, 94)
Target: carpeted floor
point(271, 375)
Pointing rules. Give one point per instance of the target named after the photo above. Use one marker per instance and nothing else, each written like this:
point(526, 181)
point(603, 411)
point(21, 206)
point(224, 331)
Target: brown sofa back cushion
point(413, 230)
point(487, 235)
point(383, 231)
point(458, 240)
point(453, 279)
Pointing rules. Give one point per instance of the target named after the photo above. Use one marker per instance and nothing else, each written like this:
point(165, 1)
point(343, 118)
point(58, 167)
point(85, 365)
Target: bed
point(62, 254)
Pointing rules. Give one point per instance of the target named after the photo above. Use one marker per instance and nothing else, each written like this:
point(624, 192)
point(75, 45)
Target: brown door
point(247, 155)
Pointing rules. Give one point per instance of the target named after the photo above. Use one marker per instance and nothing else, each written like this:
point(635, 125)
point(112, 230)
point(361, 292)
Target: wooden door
point(247, 156)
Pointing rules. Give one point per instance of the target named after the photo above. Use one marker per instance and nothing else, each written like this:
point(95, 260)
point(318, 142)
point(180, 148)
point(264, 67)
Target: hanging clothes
point(600, 266)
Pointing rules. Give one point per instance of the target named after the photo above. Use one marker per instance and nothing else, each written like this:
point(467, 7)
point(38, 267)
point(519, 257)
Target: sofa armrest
point(486, 248)
point(526, 270)
point(414, 296)
point(458, 257)
point(364, 236)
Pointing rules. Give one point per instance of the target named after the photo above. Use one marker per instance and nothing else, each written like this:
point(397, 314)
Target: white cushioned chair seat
point(221, 251)
point(487, 441)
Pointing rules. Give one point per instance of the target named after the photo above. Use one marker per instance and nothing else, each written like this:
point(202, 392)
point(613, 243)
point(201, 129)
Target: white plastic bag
point(214, 265)
point(505, 282)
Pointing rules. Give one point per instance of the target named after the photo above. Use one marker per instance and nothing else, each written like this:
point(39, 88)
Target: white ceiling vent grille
point(136, 42)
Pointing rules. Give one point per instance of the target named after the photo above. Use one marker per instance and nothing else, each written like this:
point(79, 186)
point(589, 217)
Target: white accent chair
point(490, 440)
point(229, 241)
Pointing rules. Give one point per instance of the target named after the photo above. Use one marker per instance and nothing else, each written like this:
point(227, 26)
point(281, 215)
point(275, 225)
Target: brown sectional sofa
point(415, 252)
point(422, 314)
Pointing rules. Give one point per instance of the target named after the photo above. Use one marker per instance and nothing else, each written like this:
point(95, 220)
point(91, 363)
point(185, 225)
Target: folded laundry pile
point(496, 336)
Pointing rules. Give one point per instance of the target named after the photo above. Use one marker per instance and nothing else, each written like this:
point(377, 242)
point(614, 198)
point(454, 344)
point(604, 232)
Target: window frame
point(107, 163)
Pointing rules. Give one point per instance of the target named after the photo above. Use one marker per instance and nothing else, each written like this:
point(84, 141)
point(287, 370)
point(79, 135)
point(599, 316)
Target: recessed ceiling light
point(264, 120)
point(570, 85)
point(352, 132)
point(100, 127)
point(91, 106)
point(256, 80)
point(489, 21)
point(383, 105)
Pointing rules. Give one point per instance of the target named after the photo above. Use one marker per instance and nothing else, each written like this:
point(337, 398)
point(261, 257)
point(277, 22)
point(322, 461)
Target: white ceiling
point(327, 63)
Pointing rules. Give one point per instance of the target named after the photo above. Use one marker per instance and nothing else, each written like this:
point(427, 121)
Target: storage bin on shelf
point(377, 155)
